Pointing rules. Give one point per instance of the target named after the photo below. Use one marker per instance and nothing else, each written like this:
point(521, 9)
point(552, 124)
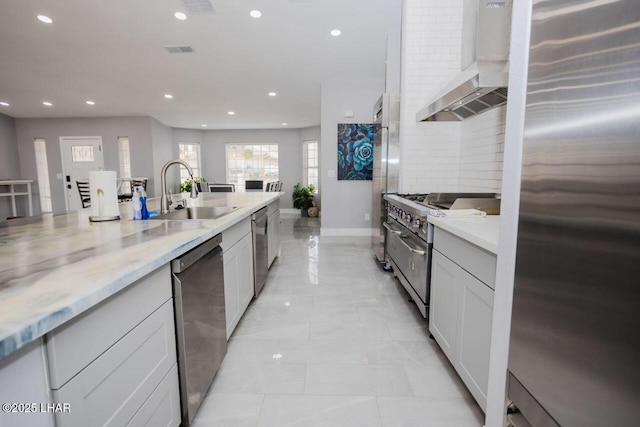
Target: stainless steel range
point(409, 236)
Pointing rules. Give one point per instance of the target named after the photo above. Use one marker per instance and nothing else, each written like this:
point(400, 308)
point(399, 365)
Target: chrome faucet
point(165, 200)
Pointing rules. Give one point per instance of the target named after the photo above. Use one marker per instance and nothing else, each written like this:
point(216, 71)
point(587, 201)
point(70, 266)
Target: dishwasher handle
point(187, 259)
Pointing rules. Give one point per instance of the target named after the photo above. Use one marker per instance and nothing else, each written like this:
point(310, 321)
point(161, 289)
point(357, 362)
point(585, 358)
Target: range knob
point(409, 218)
point(418, 223)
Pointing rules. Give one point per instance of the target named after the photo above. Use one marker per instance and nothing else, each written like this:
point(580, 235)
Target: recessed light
point(335, 33)
point(168, 96)
point(4, 104)
point(231, 113)
point(181, 16)
point(47, 103)
point(284, 123)
point(204, 126)
point(45, 19)
point(272, 94)
point(91, 103)
point(255, 14)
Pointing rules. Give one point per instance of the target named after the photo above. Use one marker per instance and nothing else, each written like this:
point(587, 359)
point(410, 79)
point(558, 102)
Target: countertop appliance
point(260, 249)
point(410, 236)
point(482, 84)
point(574, 355)
point(198, 292)
point(386, 159)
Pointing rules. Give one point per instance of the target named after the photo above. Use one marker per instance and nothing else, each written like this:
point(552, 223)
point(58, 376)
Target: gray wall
point(289, 154)
point(9, 161)
point(163, 151)
point(344, 203)
point(138, 129)
point(152, 144)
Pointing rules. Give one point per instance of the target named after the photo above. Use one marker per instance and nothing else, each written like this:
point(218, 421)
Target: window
point(251, 161)
point(190, 153)
point(124, 158)
point(43, 175)
point(81, 153)
point(310, 164)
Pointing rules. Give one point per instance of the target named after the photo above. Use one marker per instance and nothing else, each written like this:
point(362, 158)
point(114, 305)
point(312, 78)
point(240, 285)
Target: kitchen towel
point(457, 213)
point(104, 196)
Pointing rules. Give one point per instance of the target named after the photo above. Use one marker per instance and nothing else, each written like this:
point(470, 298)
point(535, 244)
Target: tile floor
point(333, 341)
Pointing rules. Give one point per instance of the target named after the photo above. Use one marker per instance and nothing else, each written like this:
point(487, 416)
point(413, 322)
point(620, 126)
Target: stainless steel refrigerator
point(386, 159)
point(574, 356)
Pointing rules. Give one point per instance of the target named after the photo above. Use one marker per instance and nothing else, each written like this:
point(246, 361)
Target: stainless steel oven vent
point(482, 85)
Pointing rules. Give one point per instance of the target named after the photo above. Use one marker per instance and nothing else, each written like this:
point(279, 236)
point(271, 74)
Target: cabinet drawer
point(162, 409)
point(232, 235)
point(475, 260)
point(111, 390)
point(72, 346)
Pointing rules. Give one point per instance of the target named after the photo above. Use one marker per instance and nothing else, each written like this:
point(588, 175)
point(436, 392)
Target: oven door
point(393, 232)
point(415, 264)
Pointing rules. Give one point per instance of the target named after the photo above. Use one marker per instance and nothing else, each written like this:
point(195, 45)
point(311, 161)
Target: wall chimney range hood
point(482, 85)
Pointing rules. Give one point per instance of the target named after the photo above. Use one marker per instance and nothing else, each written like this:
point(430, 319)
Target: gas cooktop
point(423, 205)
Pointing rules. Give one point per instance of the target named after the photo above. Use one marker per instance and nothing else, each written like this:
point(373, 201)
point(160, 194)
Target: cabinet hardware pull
point(391, 230)
point(415, 251)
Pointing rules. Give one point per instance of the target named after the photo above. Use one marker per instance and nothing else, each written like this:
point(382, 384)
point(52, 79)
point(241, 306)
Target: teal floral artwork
point(355, 151)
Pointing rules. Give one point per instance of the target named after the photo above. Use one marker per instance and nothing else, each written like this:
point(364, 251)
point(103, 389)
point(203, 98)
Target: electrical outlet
point(366, 217)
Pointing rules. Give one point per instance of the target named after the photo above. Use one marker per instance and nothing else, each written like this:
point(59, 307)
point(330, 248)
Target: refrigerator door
point(379, 189)
point(393, 148)
point(575, 331)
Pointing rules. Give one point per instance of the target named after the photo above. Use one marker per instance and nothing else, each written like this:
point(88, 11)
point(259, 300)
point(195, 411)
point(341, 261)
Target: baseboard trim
point(290, 211)
point(354, 232)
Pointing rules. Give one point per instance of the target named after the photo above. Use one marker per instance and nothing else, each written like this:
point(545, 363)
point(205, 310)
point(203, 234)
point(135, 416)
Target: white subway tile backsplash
point(442, 156)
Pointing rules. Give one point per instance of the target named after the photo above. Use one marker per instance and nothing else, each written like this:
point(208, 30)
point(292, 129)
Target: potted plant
point(303, 198)
point(185, 187)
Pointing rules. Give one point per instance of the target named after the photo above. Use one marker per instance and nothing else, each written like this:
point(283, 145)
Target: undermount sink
point(198, 212)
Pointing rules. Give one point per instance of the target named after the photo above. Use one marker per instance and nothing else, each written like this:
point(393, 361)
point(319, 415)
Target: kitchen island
point(86, 305)
point(58, 267)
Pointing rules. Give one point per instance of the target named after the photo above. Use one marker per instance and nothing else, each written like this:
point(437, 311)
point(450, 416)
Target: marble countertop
point(56, 267)
point(482, 232)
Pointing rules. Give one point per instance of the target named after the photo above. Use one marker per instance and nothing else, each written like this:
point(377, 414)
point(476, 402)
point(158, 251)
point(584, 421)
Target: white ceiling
point(112, 52)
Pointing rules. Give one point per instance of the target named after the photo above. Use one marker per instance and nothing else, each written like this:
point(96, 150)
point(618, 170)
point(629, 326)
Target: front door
point(79, 156)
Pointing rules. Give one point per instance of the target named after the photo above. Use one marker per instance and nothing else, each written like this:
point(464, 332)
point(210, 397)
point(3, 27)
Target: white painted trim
point(509, 212)
point(355, 232)
point(290, 211)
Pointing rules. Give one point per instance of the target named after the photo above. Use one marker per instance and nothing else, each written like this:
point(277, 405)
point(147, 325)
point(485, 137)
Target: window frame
point(197, 170)
point(240, 185)
point(305, 163)
point(42, 170)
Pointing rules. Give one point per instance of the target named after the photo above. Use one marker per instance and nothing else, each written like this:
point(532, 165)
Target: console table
point(13, 193)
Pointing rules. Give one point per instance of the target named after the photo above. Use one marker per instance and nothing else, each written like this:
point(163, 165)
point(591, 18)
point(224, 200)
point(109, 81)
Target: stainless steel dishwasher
point(260, 249)
point(198, 290)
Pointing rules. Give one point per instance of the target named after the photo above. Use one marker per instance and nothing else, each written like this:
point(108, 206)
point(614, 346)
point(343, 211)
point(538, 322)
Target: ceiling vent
point(198, 7)
point(179, 49)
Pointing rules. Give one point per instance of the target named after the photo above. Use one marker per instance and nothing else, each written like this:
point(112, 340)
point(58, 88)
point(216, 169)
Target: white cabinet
point(273, 232)
point(116, 362)
point(461, 308)
point(23, 379)
point(237, 255)
point(474, 336)
point(443, 309)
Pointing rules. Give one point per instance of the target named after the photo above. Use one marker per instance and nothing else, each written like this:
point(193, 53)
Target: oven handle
point(391, 230)
point(415, 251)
